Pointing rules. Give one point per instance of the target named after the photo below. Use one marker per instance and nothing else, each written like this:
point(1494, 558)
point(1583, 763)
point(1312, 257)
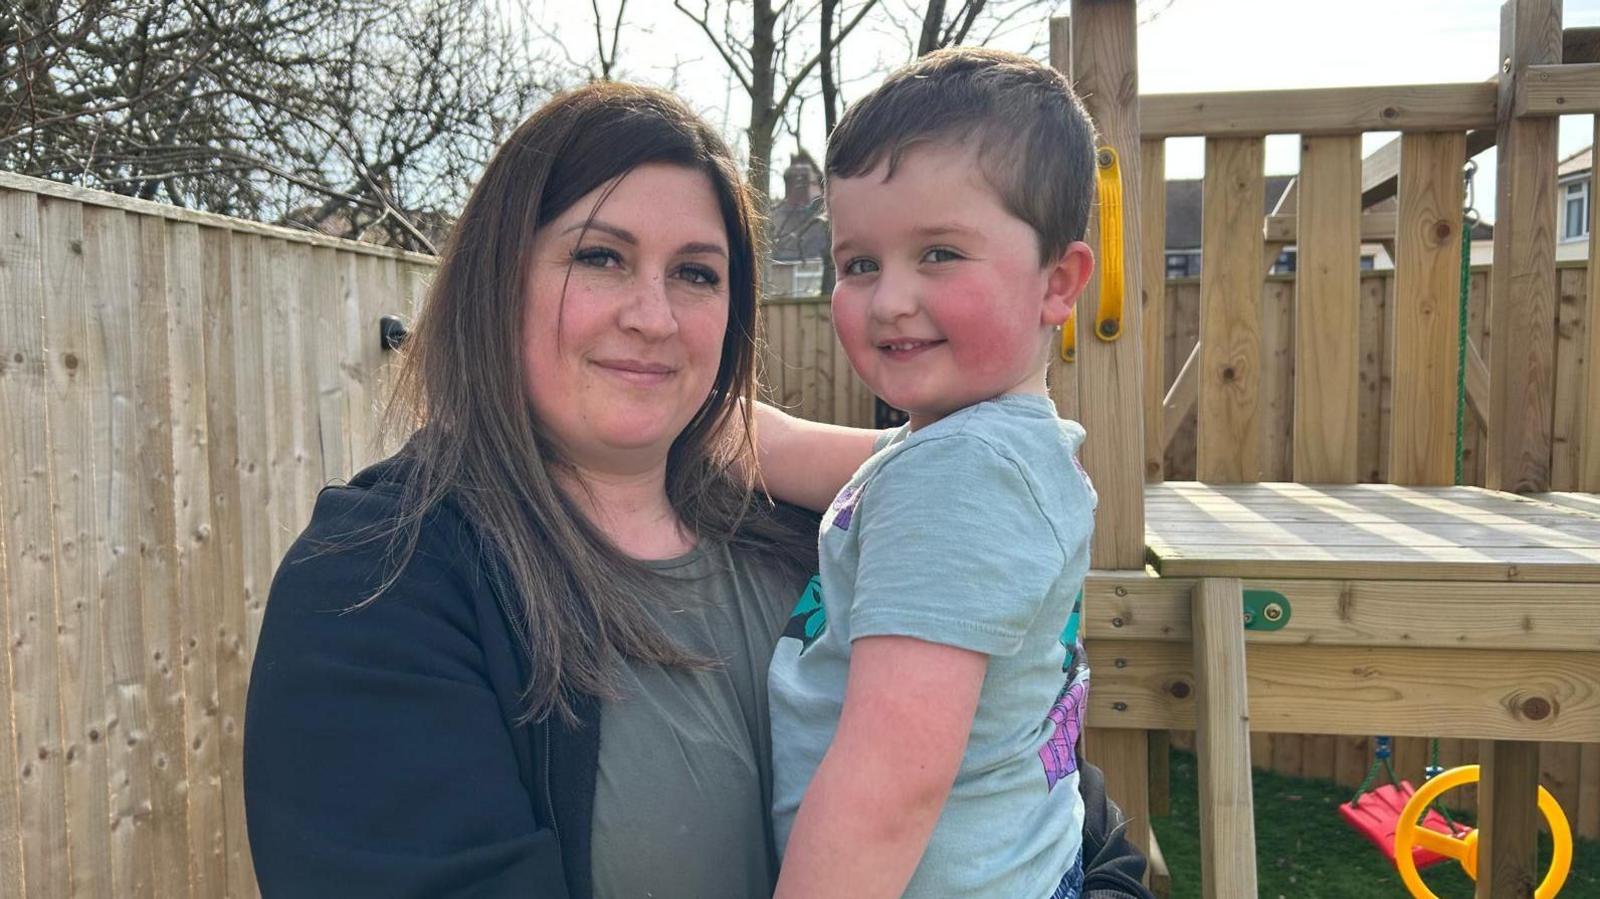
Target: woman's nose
point(649, 310)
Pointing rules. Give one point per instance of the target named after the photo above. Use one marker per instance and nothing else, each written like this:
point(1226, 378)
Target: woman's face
point(624, 319)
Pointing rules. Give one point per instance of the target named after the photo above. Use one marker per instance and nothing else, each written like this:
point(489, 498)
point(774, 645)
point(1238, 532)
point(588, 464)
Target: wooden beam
point(1478, 385)
point(1424, 331)
point(1222, 738)
point(1508, 813)
point(1182, 398)
point(1229, 436)
point(1497, 694)
point(1523, 300)
point(1580, 45)
point(1339, 110)
point(1123, 755)
point(1375, 226)
point(1381, 169)
point(1589, 447)
point(1062, 376)
point(1370, 614)
point(1562, 89)
point(1153, 280)
point(1327, 313)
point(1103, 67)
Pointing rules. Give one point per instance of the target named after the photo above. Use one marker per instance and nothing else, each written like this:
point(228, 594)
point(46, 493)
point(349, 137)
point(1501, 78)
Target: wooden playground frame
point(1395, 589)
point(161, 452)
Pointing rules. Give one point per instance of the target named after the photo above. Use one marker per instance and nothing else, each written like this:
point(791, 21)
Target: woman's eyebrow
point(623, 234)
point(693, 249)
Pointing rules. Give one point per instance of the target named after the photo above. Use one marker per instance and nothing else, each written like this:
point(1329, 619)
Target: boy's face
point(941, 301)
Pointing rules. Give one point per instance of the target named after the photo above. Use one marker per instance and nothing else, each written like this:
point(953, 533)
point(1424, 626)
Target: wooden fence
point(174, 387)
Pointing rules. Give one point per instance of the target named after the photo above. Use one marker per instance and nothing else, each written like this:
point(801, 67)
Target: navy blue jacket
point(382, 753)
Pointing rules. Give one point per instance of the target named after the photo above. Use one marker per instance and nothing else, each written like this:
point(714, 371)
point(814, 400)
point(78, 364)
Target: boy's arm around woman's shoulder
point(378, 759)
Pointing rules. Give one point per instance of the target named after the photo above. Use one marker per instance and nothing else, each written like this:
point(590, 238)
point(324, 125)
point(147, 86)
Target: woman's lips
point(636, 371)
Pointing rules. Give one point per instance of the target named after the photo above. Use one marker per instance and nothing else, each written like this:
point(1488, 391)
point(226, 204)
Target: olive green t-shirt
point(685, 771)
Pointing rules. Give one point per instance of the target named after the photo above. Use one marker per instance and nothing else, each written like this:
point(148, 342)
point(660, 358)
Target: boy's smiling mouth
point(905, 348)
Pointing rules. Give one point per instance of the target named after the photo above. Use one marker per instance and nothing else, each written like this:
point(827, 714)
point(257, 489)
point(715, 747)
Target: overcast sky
point(1187, 45)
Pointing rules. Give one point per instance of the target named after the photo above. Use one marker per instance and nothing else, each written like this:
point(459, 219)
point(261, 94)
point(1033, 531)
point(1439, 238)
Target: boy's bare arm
point(807, 462)
point(873, 804)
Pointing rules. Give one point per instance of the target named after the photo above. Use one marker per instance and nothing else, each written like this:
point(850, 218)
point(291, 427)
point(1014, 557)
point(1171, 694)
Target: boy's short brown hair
point(1035, 142)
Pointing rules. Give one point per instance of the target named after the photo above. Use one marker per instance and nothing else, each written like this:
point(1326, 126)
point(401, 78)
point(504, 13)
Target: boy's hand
point(806, 462)
point(867, 816)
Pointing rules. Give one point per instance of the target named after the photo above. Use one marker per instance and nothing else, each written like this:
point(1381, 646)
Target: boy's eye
point(940, 254)
point(699, 274)
point(597, 257)
point(860, 266)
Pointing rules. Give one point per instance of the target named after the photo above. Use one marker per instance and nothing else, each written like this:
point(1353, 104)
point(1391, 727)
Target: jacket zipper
point(549, 797)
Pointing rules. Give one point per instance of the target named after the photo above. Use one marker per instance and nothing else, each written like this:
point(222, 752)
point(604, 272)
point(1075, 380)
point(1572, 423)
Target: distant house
point(1183, 225)
point(1574, 193)
point(797, 233)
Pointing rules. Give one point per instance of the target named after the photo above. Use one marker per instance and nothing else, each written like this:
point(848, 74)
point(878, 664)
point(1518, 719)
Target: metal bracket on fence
point(392, 332)
point(1265, 610)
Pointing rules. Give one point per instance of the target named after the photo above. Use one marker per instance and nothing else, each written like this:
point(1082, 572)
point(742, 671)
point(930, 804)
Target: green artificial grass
point(1304, 849)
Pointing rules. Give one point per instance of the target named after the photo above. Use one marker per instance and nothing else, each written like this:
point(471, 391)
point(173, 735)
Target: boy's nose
point(892, 299)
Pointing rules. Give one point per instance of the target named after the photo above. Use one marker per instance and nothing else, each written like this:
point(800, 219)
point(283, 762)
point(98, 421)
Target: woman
point(527, 655)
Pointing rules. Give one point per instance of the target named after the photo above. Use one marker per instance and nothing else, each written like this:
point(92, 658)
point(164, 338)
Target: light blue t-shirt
point(972, 532)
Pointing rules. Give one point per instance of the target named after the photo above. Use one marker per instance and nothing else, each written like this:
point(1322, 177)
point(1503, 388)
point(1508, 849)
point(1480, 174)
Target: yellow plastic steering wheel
point(1464, 849)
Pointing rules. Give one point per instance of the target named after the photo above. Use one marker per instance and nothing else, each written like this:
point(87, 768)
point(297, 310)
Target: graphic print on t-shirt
point(1059, 753)
point(809, 618)
point(844, 506)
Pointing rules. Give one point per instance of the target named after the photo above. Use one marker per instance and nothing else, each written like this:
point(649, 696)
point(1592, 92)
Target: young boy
point(927, 695)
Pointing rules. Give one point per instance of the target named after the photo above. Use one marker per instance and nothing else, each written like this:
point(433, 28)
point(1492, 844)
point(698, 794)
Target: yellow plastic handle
point(1464, 849)
point(1069, 337)
point(1108, 320)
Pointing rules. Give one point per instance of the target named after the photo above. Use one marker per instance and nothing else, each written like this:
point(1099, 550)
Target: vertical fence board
point(1369, 403)
point(1327, 311)
point(1587, 819)
point(73, 370)
point(326, 344)
point(1153, 298)
point(1571, 366)
point(30, 563)
point(299, 316)
point(1589, 477)
point(169, 815)
point(229, 625)
point(199, 557)
point(1183, 337)
point(1230, 424)
point(280, 408)
point(355, 373)
point(252, 423)
point(1278, 380)
point(109, 277)
point(1423, 344)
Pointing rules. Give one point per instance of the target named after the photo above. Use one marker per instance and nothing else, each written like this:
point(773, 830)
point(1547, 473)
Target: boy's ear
point(1065, 279)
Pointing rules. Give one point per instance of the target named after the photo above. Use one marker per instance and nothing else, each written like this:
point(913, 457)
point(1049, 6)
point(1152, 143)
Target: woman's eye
point(597, 257)
point(699, 274)
point(940, 254)
point(860, 266)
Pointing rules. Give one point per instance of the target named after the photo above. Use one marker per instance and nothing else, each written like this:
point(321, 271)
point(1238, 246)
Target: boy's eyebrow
point(944, 228)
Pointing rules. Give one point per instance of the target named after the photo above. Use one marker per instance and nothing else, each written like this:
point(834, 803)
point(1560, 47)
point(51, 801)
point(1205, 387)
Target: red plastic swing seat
point(1379, 814)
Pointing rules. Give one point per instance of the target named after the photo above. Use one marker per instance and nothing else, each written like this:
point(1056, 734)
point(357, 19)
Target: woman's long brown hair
point(579, 603)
